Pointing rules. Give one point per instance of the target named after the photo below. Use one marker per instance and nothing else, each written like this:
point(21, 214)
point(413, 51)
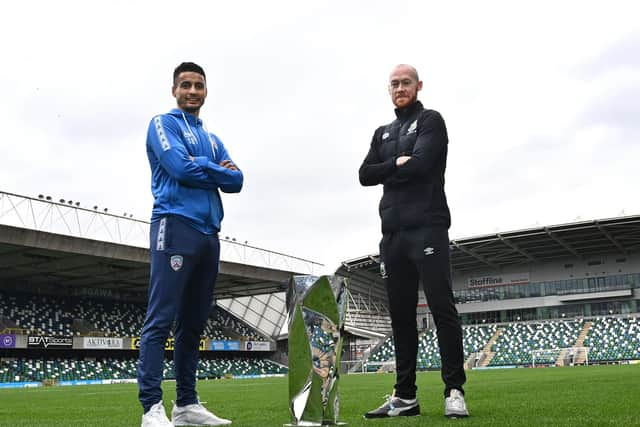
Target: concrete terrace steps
point(487, 348)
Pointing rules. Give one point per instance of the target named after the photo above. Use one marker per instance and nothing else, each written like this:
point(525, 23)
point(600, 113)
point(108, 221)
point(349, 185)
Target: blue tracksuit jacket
point(186, 187)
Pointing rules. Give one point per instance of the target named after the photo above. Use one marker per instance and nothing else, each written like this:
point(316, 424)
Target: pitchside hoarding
point(102, 343)
point(225, 345)
point(7, 341)
point(43, 341)
point(257, 346)
point(135, 344)
point(498, 280)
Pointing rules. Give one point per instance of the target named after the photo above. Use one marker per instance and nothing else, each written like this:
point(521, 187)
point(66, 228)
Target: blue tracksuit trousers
point(184, 268)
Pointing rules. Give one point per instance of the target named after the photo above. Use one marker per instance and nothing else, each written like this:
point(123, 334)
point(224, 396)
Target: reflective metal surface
point(316, 317)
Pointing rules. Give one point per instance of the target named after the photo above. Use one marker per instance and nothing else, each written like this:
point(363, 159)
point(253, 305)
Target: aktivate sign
point(102, 343)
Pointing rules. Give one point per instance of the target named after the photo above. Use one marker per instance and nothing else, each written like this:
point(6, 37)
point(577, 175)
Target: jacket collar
point(408, 111)
point(193, 120)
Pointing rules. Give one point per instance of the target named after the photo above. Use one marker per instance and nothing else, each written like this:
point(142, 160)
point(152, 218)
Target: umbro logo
point(429, 250)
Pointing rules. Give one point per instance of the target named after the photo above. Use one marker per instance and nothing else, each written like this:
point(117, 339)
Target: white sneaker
point(156, 417)
point(454, 406)
point(195, 415)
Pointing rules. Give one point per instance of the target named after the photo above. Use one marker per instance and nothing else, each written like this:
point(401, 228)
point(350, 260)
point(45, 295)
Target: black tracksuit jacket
point(413, 195)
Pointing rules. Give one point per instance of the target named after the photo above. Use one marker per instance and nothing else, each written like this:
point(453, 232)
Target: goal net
point(568, 356)
point(366, 366)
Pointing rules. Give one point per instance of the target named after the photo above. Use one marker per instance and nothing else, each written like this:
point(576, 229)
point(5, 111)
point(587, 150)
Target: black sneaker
point(395, 407)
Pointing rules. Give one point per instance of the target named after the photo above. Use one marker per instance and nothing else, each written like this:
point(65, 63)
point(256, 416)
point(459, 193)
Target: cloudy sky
point(542, 104)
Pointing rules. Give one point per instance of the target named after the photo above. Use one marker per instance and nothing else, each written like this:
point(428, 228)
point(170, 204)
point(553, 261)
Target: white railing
point(69, 218)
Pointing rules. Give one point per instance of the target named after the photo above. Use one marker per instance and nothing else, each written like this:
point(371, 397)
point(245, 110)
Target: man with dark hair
point(408, 157)
point(189, 165)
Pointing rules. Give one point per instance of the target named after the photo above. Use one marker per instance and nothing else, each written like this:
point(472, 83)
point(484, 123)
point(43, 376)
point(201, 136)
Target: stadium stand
point(17, 370)
point(383, 353)
point(57, 316)
point(613, 339)
point(609, 339)
point(30, 314)
point(518, 340)
point(36, 314)
point(224, 321)
point(475, 339)
point(108, 318)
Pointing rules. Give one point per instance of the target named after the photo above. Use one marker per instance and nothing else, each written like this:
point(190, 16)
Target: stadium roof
point(42, 258)
point(51, 244)
point(583, 240)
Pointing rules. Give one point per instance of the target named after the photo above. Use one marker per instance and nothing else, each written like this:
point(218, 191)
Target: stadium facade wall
point(565, 269)
point(550, 301)
point(604, 284)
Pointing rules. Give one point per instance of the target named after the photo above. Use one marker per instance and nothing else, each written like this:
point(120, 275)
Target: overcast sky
point(542, 104)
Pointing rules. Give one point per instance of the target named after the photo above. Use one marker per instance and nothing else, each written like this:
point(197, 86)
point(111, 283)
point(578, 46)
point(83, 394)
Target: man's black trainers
point(395, 407)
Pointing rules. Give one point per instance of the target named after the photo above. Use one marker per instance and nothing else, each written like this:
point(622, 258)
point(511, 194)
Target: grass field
point(578, 396)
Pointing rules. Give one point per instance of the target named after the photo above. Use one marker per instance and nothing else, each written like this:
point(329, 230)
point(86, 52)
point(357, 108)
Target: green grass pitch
point(578, 396)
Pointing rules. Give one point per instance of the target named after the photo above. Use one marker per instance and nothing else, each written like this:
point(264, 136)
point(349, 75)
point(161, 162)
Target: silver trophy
point(317, 308)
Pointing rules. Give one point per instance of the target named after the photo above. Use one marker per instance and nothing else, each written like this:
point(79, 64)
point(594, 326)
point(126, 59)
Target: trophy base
point(311, 424)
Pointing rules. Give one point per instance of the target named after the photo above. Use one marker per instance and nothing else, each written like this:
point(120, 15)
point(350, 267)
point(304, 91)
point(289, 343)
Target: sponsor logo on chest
point(191, 138)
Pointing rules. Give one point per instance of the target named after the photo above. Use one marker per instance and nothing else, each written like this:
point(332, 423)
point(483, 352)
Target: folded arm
point(227, 174)
point(200, 172)
point(430, 143)
point(373, 170)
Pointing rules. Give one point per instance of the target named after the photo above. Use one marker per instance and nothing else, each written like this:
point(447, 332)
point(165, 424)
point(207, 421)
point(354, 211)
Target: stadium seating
point(110, 318)
point(518, 340)
point(613, 339)
point(474, 340)
point(383, 353)
point(428, 351)
point(27, 370)
point(221, 319)
point(57, 316)
point(37, 314)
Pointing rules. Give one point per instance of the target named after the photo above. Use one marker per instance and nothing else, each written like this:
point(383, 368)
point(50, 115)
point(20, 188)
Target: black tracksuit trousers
point(409, 257)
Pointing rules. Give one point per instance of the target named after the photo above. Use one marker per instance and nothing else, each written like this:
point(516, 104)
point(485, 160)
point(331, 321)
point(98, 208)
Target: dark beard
point(191, 110)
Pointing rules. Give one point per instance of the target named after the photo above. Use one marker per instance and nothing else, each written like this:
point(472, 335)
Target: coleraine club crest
point(176, 262)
